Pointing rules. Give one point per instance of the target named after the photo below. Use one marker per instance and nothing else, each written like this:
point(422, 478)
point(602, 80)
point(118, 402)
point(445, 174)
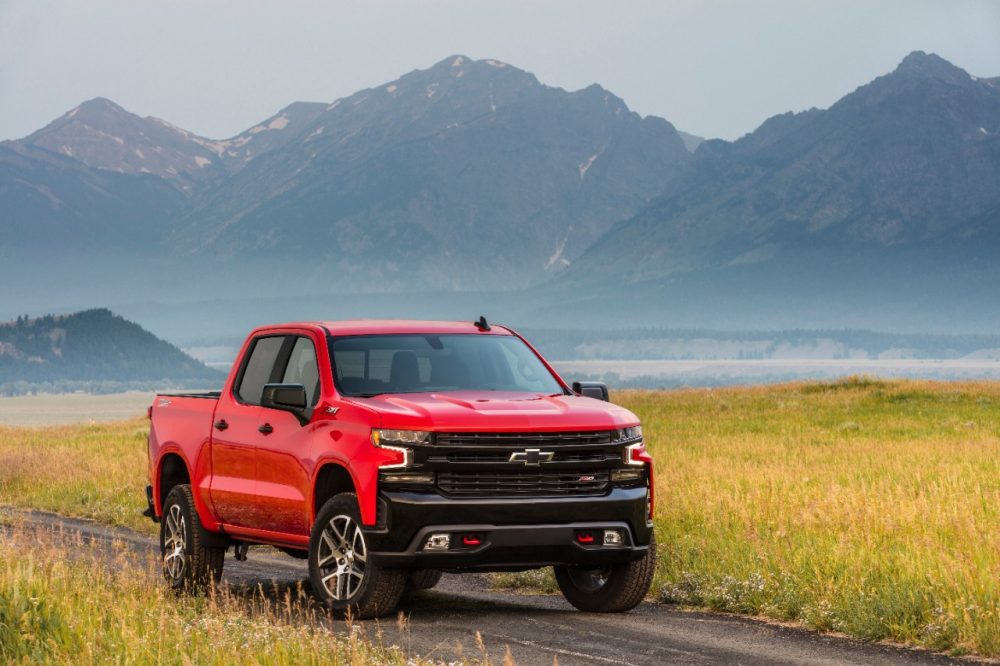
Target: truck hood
point(496, 411)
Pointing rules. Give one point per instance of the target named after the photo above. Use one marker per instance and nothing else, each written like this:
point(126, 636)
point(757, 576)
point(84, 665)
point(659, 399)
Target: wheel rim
point(589, 580)
point(342, 558)
point(175, 543)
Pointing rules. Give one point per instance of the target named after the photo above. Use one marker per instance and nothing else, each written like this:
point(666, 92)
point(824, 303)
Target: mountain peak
point(456, 60)
point(461, 61)
point(101, 103)
point(930, 65)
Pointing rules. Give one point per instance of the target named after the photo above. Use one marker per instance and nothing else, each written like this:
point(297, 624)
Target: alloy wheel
point(175, 544)
point(342, 558)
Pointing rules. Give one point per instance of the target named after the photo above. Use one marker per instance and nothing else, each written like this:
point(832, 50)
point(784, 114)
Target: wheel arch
point(332, 478)
point(171, 471)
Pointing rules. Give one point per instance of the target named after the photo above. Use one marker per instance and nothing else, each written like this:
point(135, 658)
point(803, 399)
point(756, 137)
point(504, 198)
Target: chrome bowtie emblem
point(531, 456)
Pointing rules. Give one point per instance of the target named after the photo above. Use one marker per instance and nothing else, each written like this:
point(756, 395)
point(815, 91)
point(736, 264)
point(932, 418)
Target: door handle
point(221, 424)
point(266, 429)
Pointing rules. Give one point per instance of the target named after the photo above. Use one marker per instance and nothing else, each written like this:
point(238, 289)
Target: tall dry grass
point(65, 603)
point(89, 470)
point(867, 507)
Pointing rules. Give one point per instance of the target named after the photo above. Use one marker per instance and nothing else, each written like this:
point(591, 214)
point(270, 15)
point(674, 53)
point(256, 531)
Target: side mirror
point(286, 397)
point(597, 390)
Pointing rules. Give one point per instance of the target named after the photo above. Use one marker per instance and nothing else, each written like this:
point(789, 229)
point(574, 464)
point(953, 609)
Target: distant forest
point(95, 351)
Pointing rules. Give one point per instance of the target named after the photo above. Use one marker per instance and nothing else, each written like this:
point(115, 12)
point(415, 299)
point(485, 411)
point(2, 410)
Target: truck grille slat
point(504, 456)
point(535, 482)
point(524, 439)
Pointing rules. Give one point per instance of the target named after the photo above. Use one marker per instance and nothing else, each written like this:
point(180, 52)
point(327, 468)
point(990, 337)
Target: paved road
point(537, 629)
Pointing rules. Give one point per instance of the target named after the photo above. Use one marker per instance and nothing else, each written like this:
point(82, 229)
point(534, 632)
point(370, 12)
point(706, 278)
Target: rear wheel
point(187, 562)
point(611, 589)
point(422, 579)
point(343, 575)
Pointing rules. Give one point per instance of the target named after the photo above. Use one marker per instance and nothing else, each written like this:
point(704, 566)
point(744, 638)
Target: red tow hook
point(585, 537)
point(471, 540)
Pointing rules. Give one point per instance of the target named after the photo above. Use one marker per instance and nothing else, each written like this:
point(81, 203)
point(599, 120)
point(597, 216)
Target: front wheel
point(611, 589)
point(187, 562)
point(343, 575)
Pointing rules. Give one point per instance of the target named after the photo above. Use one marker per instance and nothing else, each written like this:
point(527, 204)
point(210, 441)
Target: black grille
point(533, 483)
point(521, 440)
point(504, 456)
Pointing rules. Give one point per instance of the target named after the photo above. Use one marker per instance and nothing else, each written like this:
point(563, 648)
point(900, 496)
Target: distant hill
point(92, 350)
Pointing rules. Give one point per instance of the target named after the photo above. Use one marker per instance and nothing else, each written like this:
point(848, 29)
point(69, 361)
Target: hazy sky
point(717, 69)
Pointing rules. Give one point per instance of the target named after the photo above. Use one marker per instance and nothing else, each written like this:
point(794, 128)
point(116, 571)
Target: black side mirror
point(597, 390)
point(286, 397)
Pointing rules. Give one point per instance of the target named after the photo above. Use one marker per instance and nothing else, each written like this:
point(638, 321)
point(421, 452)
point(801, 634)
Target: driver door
point(284, 453)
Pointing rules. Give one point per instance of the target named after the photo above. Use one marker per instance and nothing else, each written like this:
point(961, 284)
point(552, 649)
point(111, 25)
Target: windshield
point(368, 365)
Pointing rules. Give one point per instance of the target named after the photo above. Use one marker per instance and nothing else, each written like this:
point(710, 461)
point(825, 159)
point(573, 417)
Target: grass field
point(57, 606)
point(94, 470)
point(866, 507)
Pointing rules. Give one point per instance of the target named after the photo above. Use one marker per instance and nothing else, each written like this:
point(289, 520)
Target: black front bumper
point(512, 533)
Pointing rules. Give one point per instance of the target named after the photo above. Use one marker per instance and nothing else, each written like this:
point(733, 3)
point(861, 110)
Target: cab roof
point(398, 327)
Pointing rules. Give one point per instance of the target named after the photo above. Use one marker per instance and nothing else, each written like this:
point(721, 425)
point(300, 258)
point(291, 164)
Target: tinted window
point(302, 369)
point(374, 364)
point(259, 368)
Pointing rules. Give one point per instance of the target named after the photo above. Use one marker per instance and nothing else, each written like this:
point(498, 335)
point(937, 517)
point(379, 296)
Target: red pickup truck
point(385, 452)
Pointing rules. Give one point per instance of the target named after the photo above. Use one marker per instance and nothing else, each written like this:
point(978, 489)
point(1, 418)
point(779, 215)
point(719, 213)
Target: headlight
point(395, 443)
point(400, 437)
point(628, 434)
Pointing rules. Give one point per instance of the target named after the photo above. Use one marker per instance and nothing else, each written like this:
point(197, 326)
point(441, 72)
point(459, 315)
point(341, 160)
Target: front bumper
point(512, 533)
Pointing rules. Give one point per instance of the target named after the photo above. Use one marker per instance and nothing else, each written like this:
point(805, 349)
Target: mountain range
point(884, 207)
point(472, 177)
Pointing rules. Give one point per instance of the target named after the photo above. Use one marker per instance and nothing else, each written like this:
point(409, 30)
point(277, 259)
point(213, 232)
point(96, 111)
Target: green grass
point(861, 506)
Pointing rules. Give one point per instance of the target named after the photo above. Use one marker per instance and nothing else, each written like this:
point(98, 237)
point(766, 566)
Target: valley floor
point(865, 507)
point(66, 408)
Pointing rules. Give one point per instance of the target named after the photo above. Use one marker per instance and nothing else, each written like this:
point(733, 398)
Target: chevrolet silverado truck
point(386, 452)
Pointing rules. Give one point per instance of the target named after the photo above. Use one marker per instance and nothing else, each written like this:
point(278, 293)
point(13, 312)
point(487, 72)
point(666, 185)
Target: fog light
point(626, 475)
point(613, 538)
point(438, 542)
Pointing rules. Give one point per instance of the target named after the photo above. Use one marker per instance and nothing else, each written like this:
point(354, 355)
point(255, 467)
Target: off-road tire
point(422, 579)
point(379, 589)
point(624, 586)
point(189, 564)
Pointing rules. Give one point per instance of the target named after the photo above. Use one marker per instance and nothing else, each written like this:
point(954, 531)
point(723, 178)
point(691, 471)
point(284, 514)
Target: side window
point(303, 369)
point(259, 368)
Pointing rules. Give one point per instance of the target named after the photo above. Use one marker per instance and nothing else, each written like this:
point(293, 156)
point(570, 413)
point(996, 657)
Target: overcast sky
point(717, 69)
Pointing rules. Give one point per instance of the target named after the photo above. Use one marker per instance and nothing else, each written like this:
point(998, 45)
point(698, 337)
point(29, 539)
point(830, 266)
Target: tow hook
point(240, 549)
